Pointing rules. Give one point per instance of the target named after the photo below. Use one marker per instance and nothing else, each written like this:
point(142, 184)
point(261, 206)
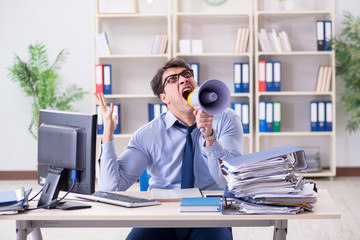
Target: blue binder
point(262, 116)
point(107, 78)
point(313, 116)
point(245, 117)
point(100, 126)
point(269, 79)
point(327, 35)
point(276, 76)
point(237, 77)
point(321, 116)
point(269, 116)
point(117, 112)
point(195, 67)
point(245, 76)
point(329, 116)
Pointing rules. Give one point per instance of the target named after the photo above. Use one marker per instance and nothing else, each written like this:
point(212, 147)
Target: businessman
point(172, 148)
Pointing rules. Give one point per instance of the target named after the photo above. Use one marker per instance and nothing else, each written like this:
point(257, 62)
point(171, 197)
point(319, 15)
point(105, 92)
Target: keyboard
point(118, 199)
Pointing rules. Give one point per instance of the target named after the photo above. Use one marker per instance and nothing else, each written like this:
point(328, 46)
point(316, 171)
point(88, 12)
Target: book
point(174, 195)
point(102, 44)
point(11, 196)
point(201, 204)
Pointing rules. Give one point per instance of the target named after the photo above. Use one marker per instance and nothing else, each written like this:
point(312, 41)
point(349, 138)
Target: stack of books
point(158, 44)
point(323, 80)
point(273, 42)
point(264, 183)
point(242, 40)
point(14, 201)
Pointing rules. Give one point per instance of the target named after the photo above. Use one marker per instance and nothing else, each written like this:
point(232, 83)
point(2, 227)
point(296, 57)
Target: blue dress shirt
point(159, 145)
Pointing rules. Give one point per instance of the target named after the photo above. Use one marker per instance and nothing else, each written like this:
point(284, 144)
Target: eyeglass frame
point(178, 76)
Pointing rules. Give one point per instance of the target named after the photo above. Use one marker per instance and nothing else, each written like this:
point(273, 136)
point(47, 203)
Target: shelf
point(131, 15)
point(213, 14)
point(323, 173)
point(294, 134)
point(213, 54)
point(291, 13)
point(295, 53)
point(119, 136)
point(133, 56)
point(117, 96)
point(240, 95)
point(295, 93)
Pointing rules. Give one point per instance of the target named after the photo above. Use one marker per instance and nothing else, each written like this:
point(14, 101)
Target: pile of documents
point(264, 183)
point(13, 201)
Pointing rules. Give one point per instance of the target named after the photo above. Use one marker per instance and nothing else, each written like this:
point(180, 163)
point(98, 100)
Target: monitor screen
point(66, 146)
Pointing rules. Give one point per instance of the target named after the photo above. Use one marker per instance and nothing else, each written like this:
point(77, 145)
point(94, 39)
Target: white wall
point(68, 24)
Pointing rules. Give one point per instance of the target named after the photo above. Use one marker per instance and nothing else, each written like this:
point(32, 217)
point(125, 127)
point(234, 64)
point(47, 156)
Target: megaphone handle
point(202, 129)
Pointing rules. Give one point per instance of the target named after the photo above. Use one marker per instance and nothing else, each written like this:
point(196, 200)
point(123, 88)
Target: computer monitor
point(66, 155)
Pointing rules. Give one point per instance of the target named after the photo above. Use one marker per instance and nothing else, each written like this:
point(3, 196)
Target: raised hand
point(109, 120)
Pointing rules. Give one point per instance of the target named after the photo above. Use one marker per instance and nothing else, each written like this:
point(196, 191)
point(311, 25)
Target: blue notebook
point(11, 196)
point(201, 204)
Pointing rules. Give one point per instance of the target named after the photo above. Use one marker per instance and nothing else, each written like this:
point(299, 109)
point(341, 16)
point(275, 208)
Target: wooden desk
point(165, 215)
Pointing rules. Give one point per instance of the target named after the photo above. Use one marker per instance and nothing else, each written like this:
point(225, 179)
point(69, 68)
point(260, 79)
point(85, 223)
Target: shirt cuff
point(215, 150)
point(107, 150)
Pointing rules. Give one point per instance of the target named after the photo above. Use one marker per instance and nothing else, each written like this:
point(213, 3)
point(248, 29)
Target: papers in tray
point(11, 202)
point(265, 183)
point(174, 195)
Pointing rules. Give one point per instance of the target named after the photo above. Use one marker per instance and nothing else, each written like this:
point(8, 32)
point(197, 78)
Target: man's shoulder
point(227, 114)
point(154, 126)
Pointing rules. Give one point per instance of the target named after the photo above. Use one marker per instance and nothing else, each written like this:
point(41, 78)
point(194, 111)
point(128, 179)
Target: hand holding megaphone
point(213, 96)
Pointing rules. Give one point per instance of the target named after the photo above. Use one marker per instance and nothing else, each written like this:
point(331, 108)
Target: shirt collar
point(170, 119)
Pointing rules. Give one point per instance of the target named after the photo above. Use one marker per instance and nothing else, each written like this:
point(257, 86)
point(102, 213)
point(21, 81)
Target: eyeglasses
point(187, 73)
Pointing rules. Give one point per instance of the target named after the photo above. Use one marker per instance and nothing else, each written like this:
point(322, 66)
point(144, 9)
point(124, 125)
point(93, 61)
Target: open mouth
point(186, 92)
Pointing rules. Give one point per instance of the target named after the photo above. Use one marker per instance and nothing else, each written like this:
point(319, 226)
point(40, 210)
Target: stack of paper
point(11, 202)
point(265, 183)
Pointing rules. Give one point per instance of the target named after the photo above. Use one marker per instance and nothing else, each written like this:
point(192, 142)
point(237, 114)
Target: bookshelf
point(133, 65)
point(129, 35)
point(198, 20)
point(299, 69)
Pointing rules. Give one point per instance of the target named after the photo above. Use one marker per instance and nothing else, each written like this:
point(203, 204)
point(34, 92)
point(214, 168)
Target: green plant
point(39, 79)
point(348, 68)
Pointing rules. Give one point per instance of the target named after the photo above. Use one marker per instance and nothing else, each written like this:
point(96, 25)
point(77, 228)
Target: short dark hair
point(156, 83)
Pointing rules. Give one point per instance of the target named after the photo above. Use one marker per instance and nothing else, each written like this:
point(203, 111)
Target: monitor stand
point(50, 192)
point(70, 205)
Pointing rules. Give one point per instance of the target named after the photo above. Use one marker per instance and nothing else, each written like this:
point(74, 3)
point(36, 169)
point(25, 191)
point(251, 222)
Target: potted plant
point(347, 49)
point(40, 80)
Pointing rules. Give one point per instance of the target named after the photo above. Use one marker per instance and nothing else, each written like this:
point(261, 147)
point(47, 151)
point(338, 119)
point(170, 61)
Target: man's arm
point(228, 144)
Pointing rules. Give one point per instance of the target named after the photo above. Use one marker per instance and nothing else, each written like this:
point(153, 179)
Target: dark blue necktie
point(187, 169)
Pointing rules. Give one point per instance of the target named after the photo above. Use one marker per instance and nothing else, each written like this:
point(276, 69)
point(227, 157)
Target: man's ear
point(164, 98)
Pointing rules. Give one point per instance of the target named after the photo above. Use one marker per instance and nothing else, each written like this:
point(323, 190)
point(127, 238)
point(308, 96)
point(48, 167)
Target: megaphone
point(213, 96)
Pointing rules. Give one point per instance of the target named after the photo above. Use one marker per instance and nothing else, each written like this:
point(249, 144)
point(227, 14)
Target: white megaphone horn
point(213, 96)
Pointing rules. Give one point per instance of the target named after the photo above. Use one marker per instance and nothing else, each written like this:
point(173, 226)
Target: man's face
point(176, 91)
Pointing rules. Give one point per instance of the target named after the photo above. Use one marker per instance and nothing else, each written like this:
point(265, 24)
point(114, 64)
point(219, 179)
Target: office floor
point(345, 191)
